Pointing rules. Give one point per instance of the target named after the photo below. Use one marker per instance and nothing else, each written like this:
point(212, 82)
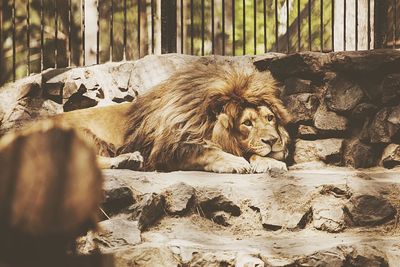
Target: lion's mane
point(176, 119)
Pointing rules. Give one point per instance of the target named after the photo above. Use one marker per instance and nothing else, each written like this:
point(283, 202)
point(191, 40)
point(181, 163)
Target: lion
point(206, 117)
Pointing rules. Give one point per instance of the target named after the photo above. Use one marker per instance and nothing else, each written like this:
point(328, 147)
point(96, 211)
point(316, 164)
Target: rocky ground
point(314, 215)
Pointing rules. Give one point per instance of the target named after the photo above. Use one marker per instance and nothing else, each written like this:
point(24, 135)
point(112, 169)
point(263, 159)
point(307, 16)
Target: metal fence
point(41, 34)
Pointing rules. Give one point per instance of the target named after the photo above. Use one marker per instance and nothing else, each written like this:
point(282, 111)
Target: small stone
point(381, 129)
point(328, 214)
point(117, 196)
point(390, 88)
point(369, 210)
point(276, 217)
point(70, 88)
point(359, 155)
point(79, 101)
point(343, 94)
point(151, 210)
point(210, 201)
point(302, 106)
point(115, 233)
point(295, 86)
point(391, 156)
point(326, 150)
point(221, 218)
point(332, 258)
point(178, 198)
point(364, 110)
point(329, 120)
point(307, 132)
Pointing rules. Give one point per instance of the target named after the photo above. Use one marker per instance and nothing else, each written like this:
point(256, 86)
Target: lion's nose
point(270, 141)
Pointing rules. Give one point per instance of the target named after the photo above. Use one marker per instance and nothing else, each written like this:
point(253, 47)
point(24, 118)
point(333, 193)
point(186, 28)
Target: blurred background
point(41, 34)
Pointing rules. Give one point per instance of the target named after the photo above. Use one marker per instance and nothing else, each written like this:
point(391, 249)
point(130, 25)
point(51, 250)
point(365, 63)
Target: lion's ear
point(224, 120)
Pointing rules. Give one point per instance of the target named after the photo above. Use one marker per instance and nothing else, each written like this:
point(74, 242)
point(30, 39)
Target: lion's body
point(175, 126)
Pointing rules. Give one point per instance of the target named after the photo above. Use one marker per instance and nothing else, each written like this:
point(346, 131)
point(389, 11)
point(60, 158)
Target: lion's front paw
point(230, 164)
point(132, 161)
point(264, 164)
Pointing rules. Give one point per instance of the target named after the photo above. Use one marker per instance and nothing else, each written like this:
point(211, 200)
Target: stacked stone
point(346, 105)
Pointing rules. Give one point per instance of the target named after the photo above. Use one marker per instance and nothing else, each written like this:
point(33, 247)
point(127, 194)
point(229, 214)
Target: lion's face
point(255, 131)
point(258, 131)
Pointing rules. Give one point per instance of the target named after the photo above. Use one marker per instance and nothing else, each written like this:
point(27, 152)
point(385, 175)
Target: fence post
point(168, 26)
point(380, 23)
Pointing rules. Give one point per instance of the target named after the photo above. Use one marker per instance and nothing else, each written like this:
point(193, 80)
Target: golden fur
point(193, 121)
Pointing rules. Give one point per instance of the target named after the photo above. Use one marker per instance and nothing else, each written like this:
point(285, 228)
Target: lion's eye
point(270, 117)
point(247, 123)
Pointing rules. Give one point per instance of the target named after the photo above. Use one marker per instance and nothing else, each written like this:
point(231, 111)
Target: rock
point(145, 257)
point(221, 217)
point(361, 256)
point(343, 94)
point(223, 258)
point(307, 132)
point(363, 110)
point(295, 85)
point(326, 150)
point(245, 260)
point(332, 258)
point(70, 88)
point(117, 196)
point(359, 155)
point(302, 106)
point(210, 201)
point(151, 209)
point(116, 233)
point(390, 88)
point(277, 217)
point(304, 64)
point(329, 121)
point(79, 101)
point(179, 198)
point(53, 82)
point(391, 156)
point(369, 210)
point(328, 214)
point(365, 62)
point(381, 129)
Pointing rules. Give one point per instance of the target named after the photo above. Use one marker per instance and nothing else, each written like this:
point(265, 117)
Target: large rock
point(328, 214)
point(326, 150)
point(304, 64)
point(385, 125)
point(295, 85)
point(179, 198)
point(391, 156)
point(302, 106)
point(390, 88)
point(343, 94)
point(359, 155)
point(329, 121)
point(307, 132)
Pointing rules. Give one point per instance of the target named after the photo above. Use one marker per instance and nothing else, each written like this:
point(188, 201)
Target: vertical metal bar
point(98, 33)
point(69, 32)
point(152, 26)
point(276, 27)
point(223, 27)
point(202, 27)
point(83, 27)
point(182, 10)
point(298, 26)
point(344, 25)
point(244, 27)
point(369, 24)
point(321, 24)
point(55, 33)
point(255, 26)
point(381, 27)
point(125, 33)
point(233, 29)
point(287, 27)
point(28, 38)
point(265, 25)
point(41, 36)
point(394, 23)
point(191, 28)
point(309, 26)
point(212, 28)
point(356, 25)
point(1, 42)
point(14, 39)
point(111, 30)
point(333, 24)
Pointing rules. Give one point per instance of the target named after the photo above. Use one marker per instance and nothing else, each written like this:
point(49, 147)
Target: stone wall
point(346, 105)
